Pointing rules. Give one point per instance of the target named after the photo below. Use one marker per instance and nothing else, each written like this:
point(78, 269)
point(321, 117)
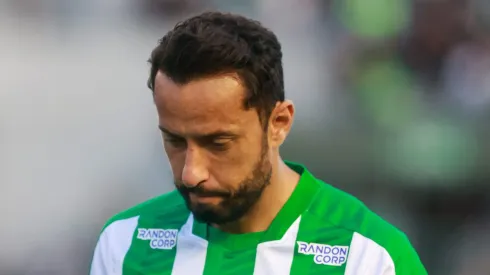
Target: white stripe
point(112, 247)
point(276, 257)
point(191, 251)
point(368, 258)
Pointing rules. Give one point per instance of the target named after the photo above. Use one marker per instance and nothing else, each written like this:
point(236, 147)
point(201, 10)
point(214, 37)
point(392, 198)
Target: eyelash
point(175, 141)
point(218, 146)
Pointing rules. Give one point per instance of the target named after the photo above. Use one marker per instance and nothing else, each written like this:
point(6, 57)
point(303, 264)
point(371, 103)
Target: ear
point(280, 123)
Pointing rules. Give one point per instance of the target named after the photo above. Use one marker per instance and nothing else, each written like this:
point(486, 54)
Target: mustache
point(201, 191)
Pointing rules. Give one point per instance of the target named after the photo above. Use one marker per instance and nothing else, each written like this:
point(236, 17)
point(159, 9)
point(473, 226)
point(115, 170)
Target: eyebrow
point(211, 135)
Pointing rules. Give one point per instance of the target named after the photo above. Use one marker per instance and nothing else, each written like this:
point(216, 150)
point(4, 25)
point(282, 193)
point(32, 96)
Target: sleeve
point(408, 261)
point(101, 263)
point(112, 247)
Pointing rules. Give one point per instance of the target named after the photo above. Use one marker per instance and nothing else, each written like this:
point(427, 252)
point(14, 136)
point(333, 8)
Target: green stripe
point(222, 261)
point(312, 230)
point(141, 258)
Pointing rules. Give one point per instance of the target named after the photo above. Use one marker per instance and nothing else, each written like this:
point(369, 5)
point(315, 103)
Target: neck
point(275, 195)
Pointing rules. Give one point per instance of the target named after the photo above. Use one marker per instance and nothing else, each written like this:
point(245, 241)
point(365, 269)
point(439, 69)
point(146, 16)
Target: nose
point(195, 171)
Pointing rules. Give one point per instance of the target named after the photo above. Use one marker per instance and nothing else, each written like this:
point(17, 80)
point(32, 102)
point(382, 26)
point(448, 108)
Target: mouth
point(204, 198)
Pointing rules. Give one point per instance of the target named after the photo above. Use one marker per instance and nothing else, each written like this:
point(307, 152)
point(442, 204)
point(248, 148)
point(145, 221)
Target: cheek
point(241, 154)
point(237, 165)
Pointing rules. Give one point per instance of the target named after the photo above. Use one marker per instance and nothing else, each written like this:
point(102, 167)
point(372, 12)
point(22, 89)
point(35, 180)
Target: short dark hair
point(213, 43)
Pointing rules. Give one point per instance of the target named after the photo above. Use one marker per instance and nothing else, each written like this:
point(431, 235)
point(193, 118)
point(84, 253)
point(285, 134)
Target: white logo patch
point(324, 254)
point(159, 238)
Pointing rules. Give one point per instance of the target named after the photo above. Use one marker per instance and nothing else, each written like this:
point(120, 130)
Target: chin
point(208, 215)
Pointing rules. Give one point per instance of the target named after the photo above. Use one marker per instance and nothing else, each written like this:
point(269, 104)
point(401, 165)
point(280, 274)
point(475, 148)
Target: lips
point(204, 198)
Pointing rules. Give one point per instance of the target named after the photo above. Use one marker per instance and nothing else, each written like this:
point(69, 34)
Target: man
point(217, 82)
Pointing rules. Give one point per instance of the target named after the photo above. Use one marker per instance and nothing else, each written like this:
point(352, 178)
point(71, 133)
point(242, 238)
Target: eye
point(175, 141)
point(221, 144)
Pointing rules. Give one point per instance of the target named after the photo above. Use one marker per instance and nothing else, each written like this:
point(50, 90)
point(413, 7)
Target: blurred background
point(393, 102)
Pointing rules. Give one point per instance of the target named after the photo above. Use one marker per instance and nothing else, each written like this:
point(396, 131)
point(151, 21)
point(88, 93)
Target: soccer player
point(217, 83)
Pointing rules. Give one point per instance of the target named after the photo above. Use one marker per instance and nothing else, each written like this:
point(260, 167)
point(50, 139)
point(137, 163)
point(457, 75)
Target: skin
point(214, 143)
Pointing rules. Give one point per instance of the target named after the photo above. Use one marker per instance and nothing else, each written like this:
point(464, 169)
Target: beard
point(234, 204)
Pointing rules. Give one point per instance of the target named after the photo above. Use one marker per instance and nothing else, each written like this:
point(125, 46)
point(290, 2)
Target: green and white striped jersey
point(320, 230)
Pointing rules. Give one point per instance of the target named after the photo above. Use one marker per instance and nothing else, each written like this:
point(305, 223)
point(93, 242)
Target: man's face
point(218, 151)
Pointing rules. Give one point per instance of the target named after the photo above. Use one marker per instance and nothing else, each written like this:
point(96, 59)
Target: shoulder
point(161, 215)
point(165, 210)
point(370, 234)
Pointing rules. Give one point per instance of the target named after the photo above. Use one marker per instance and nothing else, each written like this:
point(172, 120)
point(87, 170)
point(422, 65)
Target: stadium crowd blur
point(393, 101)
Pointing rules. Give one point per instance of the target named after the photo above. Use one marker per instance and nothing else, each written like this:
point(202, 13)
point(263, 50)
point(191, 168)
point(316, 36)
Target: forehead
point(204, 105)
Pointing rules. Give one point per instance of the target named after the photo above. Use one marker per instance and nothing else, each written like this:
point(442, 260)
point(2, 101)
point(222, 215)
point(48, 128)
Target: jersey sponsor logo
point(159, 238)
point(324, 254)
